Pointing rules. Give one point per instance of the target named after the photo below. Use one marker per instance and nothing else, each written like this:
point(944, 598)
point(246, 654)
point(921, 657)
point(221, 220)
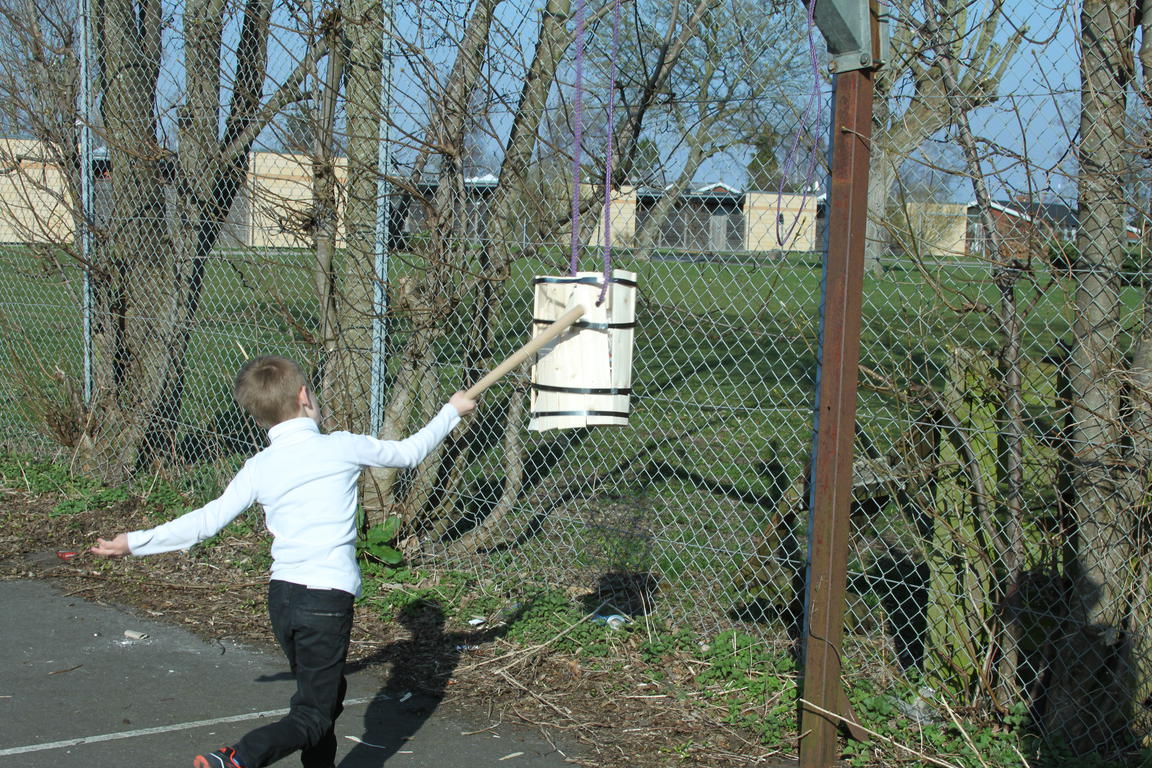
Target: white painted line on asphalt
point(162, 729)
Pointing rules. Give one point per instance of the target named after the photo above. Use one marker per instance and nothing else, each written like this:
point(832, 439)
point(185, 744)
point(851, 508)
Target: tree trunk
point(147, 281)
point(363, 25)
point(324, 220)
point(487, 532)
point(1135, 489)
point(881, 177)
point(432, 298)
point(133, 289)
point(648, 230)
point(1137, 482)
point(207, 181)
point(1092, 699)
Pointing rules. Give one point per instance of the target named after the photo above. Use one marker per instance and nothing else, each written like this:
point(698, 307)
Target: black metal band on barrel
point(615, 414)
point(583, 280)
point(591, 326)
point(580, 391)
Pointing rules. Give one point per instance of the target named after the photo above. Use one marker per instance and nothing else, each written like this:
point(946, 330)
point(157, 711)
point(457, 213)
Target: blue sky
point(1036, 114)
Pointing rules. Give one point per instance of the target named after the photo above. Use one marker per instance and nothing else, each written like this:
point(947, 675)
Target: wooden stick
point(878, 735)
point(526, 351)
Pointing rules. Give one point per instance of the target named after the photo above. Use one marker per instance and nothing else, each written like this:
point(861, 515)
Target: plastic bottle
point(614, 621)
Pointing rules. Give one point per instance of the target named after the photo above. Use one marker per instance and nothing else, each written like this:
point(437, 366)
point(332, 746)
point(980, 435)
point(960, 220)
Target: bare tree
point(431, 298)
point(1007, 538)
point(148, 274)
point(1096, 692)
point(978, 53)
point(733, 77)
point(505, 243)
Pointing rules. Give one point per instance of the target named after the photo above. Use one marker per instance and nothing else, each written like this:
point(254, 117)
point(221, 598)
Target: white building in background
point(35, 206)
point(275, 210)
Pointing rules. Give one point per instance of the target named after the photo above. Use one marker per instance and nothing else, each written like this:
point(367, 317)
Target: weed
point(98, 498)
point(376, 544)
point(664, 643)
point(392, 590)
point(76, 492)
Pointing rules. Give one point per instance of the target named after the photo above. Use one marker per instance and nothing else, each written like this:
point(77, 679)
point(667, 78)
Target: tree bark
point(324, 219)
point(1092, 698)
point(363, 27)
point(133, 287)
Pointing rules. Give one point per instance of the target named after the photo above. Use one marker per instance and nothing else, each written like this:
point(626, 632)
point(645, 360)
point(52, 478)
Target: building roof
point(1059, 216)
point(487, 180)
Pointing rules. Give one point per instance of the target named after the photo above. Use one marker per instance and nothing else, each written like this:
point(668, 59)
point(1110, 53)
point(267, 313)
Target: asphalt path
point(84, 684)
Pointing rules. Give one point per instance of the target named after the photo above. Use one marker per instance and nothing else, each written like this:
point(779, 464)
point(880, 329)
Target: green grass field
point(723, 375)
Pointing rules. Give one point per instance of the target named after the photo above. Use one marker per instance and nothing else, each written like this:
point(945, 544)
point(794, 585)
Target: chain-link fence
point(372, 188)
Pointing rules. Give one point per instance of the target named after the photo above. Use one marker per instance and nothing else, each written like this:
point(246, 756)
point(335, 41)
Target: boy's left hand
point(117, 547)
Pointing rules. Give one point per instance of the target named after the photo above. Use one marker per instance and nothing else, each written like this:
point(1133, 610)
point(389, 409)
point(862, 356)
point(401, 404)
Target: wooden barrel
point(584, 377)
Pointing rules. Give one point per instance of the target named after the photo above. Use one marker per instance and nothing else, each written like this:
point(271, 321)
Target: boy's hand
point(462, 403)
point(117, 547)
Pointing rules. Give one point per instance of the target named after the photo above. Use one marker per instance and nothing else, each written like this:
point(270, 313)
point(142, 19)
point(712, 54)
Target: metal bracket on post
point(854, 42)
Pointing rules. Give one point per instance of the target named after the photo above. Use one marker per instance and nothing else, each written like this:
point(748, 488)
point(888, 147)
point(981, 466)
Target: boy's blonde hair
point(267, 387)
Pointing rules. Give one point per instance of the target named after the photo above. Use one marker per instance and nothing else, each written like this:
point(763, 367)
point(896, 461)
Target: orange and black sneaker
point(225, 757)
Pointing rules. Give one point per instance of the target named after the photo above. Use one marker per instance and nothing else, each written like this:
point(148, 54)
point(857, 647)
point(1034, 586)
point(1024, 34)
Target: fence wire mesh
point(371, 189)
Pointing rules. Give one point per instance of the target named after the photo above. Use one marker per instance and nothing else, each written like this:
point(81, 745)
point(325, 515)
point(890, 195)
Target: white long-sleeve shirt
point(306, 482)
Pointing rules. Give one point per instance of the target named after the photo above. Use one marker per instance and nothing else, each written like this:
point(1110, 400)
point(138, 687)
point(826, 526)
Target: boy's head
point(273, 389)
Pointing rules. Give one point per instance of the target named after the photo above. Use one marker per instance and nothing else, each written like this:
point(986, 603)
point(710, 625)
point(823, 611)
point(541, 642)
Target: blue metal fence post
point(87, 191)
point(379, 363)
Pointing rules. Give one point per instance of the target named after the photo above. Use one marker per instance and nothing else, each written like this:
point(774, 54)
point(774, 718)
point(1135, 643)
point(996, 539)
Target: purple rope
point(577, 138)
point(805, 119)
point(611, 149)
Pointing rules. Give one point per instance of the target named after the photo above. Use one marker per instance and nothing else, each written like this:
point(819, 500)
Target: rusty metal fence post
point(835, 417)
point(855, 44)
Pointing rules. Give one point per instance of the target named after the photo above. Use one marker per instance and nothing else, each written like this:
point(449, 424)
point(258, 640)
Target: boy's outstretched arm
point(368, 451)
point(117, 547)
point(189, 528)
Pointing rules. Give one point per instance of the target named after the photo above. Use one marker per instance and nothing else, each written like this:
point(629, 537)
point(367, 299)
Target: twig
point(482, 730)
point(548, 738)
point(537, 648)
point(62, 671)
point(169, 584)
point(963, 732)
point(538, 698)
point(820, 710)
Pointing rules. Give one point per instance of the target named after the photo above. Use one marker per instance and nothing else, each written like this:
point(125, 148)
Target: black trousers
point(313, 627)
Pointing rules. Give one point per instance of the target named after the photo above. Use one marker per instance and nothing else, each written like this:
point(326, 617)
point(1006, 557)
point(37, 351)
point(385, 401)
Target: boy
point(306, 482)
